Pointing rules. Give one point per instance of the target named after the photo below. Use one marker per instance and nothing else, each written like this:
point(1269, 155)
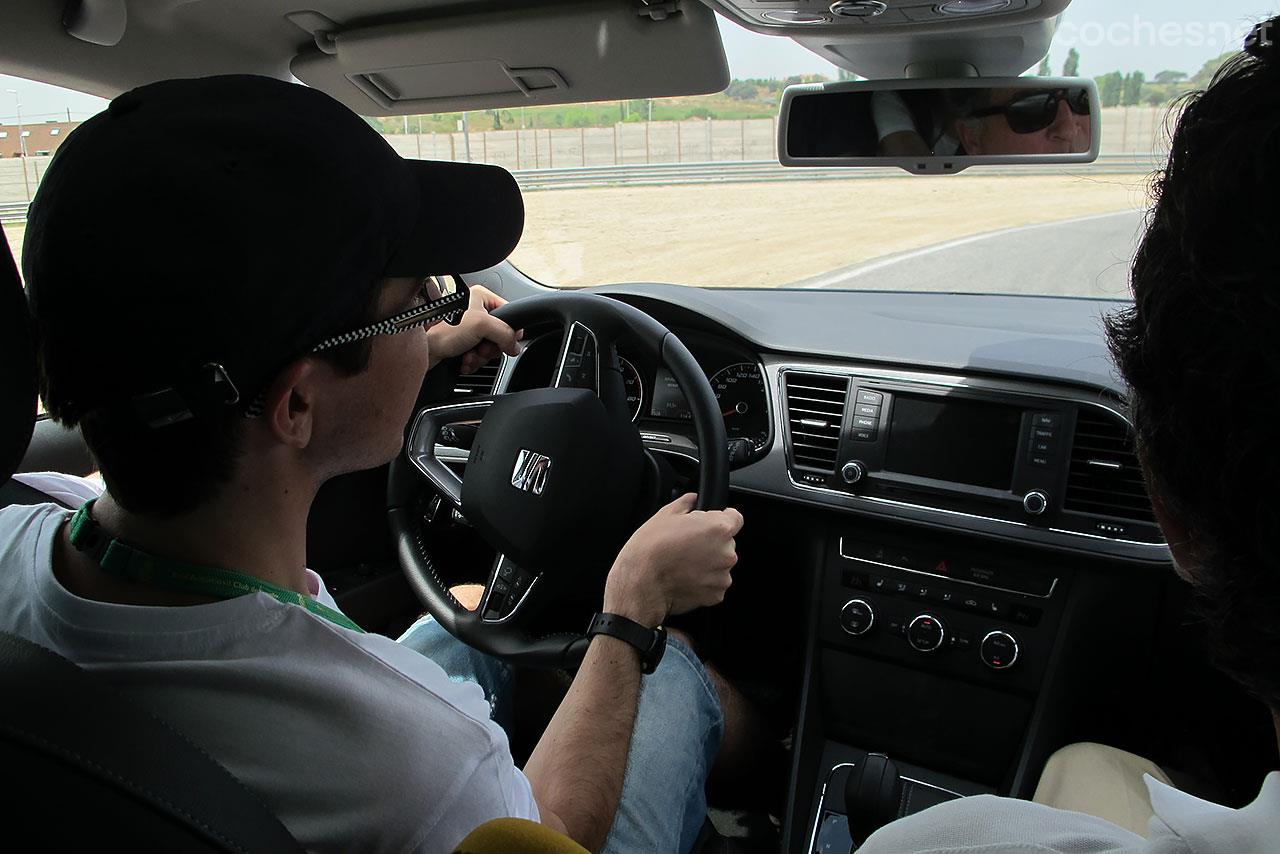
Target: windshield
point(689, 190)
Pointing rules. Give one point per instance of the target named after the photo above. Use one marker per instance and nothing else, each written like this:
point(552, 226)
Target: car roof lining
point(603, 48)
point(186, 38)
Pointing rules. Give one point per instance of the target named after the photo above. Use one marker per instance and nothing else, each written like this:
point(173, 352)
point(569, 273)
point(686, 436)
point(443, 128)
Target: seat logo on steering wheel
point(530, 473)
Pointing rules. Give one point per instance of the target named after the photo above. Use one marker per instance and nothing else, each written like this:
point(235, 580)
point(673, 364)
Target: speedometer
point(740, 390)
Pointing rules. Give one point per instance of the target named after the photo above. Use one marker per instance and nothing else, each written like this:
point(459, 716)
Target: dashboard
point(1007, 424)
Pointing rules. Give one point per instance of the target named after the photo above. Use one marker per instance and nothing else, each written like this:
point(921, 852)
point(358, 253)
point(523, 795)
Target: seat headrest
point(17, 367)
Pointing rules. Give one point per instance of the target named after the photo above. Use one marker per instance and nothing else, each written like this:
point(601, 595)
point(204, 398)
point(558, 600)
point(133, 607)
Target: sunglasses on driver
point(1035, 112)
point(442, 300)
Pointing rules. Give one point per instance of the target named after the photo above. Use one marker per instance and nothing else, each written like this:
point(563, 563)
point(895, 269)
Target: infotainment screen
point(952, 439)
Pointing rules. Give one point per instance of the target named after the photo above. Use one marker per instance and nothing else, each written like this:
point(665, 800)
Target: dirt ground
point(770, 234)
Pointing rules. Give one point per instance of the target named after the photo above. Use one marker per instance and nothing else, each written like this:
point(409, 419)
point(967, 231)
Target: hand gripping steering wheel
point(557, 478)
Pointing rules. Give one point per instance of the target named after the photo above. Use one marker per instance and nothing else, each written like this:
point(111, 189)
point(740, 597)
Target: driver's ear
point(289, 411)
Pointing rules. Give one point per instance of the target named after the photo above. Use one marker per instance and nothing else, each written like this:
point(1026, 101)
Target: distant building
point(41, 137)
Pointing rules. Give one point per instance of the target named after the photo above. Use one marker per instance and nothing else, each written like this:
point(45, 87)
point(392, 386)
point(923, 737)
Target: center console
point(932, 649)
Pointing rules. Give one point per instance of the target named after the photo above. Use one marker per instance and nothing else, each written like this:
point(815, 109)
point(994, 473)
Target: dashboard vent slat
point(478, 384)
point(815, 411)
point(1105, 478)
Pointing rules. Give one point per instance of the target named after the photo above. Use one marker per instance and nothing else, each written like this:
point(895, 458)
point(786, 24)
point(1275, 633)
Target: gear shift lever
point(872, 796)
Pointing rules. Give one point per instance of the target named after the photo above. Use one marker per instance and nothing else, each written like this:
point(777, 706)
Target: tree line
point(1120, 89)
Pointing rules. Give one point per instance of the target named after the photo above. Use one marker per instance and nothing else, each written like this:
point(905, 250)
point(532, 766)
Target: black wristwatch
point(651, 643)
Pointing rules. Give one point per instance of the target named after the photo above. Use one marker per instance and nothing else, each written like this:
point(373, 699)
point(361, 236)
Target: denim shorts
point(679, 726)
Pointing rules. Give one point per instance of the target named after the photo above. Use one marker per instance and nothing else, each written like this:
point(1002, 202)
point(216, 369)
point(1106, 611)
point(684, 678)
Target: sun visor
point(542, 54)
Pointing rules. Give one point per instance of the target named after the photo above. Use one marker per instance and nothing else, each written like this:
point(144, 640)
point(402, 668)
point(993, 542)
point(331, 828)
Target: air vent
point(1105, 478)
point(815, 411)
point(479, 383)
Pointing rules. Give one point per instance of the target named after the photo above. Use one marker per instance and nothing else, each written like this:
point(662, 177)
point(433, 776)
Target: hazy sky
point(1126, 35)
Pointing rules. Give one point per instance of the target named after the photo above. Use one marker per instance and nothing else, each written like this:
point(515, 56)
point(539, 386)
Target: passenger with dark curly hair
point(1203, 336)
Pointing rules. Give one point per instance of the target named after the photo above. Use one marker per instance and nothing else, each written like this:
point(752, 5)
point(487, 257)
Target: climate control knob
point(857, 617)
point(999, 650)
point(853, 471)
point(926, 633)
point(1035, 502)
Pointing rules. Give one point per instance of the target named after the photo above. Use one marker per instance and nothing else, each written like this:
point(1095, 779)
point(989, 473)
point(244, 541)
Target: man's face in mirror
point(1035, 121)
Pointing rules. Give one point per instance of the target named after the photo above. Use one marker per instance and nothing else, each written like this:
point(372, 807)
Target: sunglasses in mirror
point(1035, 112)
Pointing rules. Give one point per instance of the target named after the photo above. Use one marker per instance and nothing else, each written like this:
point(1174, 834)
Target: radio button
point(1035, 502)
point(853, 471)
point(925, 633)
point(1043, 446)
point(875, 398)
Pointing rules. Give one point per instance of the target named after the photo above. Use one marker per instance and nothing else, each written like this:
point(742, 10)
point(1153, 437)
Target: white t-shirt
point(1182, 824)
point(356, 742)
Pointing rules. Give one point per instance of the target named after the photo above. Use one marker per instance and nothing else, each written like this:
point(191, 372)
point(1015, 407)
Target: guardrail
point(13, 213)
point(668, 174)
point(660, 174)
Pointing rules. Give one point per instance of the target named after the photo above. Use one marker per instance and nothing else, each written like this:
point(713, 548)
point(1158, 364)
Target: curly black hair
point(1200, 351)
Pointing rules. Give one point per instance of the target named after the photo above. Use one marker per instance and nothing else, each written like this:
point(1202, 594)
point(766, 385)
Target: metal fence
point(698, 150)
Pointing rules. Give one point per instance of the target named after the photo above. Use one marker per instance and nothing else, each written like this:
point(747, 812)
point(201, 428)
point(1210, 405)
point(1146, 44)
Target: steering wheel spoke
point(509, 588)
point(428, 456)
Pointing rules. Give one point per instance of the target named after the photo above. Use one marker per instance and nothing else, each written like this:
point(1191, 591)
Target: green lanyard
point(124, 561)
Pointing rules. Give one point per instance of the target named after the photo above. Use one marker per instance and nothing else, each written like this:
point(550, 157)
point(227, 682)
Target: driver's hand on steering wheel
point(680, 559)
point(478, 338)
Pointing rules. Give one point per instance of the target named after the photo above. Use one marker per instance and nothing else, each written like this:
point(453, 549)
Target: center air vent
point(815, 411)
point(1105, 478)
point(478, 384)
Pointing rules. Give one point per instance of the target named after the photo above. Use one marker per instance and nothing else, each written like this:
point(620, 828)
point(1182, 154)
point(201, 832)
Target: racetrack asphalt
point(1083, 256)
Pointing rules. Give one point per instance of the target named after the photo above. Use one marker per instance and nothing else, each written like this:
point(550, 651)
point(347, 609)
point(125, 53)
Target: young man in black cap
point(227, 342)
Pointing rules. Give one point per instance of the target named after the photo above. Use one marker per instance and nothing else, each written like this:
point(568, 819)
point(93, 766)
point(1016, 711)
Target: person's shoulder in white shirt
point(1182, 824)
point(355, 741)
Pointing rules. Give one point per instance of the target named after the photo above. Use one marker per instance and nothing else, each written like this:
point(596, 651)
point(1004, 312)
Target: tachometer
point(635, 388)
point(740, 390)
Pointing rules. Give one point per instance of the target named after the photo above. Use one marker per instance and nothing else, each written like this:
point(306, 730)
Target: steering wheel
point(557, 478)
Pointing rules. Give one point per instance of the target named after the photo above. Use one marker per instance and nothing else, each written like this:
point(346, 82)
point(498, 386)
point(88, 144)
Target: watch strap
point(650, 643)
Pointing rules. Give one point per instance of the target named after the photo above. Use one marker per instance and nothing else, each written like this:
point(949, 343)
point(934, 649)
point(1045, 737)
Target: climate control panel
point(987, 621)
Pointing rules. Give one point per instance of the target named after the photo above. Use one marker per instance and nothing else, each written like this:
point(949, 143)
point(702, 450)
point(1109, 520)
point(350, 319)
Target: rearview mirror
point(940, 126)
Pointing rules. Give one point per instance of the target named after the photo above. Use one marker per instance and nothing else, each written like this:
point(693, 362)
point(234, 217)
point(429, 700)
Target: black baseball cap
point(234, 221)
